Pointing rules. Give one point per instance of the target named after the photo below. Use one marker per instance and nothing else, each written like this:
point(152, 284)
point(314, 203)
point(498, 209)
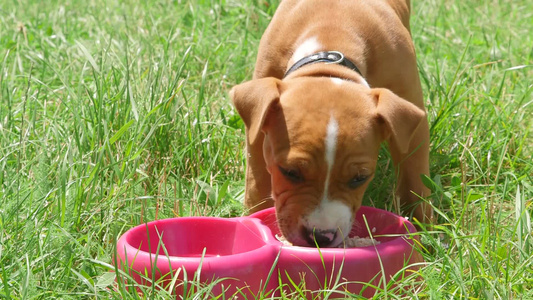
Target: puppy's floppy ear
point(253, 99)
point(401, 118)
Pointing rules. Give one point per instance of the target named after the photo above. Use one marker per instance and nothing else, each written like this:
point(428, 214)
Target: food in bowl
point(350, 242)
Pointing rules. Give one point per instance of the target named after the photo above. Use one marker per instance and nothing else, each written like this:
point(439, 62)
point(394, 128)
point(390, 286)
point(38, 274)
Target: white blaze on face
point(332, 132)
point(308, 47)
point(330, 215)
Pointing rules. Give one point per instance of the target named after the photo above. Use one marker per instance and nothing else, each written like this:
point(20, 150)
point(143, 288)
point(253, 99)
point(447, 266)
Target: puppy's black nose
point(320, 238)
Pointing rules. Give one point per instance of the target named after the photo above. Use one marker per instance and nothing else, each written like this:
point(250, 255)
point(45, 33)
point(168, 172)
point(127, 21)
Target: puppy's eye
point(357, 181)
point(292, 175)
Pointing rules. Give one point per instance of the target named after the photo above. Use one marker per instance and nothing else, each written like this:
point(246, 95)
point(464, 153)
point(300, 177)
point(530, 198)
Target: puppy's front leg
point(410, 166)
point(407, 133)
point(253, 100)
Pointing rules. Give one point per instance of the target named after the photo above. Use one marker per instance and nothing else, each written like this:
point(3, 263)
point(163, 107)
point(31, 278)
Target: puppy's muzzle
point(320, 238)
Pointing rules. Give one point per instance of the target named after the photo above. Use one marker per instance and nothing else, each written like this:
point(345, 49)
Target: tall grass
point(115, 113)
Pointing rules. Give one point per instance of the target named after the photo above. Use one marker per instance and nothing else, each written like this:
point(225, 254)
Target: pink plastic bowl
point(245, 251)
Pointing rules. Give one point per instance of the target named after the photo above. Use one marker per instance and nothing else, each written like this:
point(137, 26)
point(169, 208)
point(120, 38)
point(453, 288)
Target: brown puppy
point(313, 134)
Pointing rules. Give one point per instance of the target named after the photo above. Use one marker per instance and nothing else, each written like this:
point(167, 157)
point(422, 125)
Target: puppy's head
point(321, 142)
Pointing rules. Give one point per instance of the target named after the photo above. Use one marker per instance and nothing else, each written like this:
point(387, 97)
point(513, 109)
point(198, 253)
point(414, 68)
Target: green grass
point(114, 113)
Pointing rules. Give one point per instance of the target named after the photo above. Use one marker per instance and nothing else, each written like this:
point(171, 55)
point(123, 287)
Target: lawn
point(114, 113)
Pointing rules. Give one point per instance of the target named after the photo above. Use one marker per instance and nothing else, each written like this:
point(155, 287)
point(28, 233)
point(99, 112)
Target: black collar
point(329, 57)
